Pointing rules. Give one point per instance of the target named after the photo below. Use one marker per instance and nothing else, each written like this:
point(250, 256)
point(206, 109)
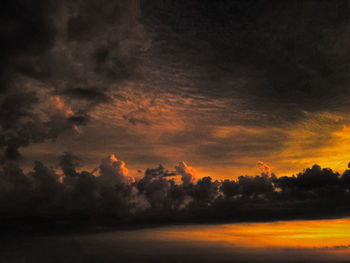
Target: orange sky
point(177, 84)
point(177, 131)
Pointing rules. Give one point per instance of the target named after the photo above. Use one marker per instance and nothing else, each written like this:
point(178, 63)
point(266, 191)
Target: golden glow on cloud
point(322, 140)
point(58, 104)
point(168, 129)
point(264, 168)
point(113, 170)
point(228, 131)
point(188, 173)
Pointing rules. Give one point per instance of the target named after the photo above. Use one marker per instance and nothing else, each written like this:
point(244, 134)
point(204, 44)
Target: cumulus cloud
point(68, 163)
point(109, 195)
point(264, 168)
point(113, 171)
point(188, 173)
point(276, 62)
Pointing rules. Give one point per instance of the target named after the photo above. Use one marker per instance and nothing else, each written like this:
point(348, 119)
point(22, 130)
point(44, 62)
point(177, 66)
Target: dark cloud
point(64, 48)
point(26, 32)
point(120, 36)
point(79, 119)
point(280, 58)
point(252, 64)
point(87, 22)
point(110, 193)
point(19, 127)
point(89, 94)
point(268, 63)
point(69, 163)
point(135, 121)
point(113, 66)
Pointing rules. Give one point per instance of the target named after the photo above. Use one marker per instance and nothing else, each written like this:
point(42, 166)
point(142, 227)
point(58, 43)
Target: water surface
point(285, 241)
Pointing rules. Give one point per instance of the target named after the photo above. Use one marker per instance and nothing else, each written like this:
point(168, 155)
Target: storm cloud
point(43, 44)
point(222, 85)
point(282, 58)
point(109, 195)
point(224, 82)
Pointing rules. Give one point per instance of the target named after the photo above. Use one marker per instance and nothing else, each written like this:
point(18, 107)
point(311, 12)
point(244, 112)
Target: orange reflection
point(331, 235)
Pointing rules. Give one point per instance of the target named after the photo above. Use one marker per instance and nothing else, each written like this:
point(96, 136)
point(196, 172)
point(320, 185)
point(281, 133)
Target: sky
point(220, 85)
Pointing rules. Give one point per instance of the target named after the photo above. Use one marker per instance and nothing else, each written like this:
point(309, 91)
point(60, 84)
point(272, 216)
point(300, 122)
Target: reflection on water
point(290, 234)
point(289, 241)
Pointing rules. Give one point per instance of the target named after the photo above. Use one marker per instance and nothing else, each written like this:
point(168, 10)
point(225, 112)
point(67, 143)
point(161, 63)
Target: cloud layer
point(109, 195)
point(221, 84)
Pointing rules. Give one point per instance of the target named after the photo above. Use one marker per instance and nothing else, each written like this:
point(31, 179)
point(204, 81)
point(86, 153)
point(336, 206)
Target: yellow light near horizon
point(330, 235)
point(306, 147)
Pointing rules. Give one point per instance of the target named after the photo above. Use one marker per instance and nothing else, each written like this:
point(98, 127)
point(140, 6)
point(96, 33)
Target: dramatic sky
point(220, 85)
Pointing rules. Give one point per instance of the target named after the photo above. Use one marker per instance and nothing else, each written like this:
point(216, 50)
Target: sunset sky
point(174, 131)
point(219, 85)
